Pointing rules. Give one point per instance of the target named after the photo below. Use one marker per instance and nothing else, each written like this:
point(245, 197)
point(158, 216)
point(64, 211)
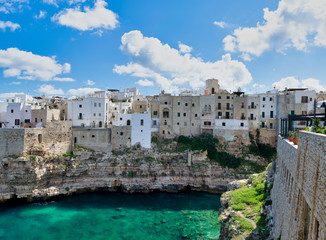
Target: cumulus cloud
point(221, 24)
point(98, 17)
point(145, 82)
point(8, 24)
point(171, 70)
point(66, 79)
point(89, 83)
point(9, 95)
point(292, 82)
point(41, 15)
point(29, 66)
point(82, 91)
point(50, 90)
point(295, 23)
point(184, 48)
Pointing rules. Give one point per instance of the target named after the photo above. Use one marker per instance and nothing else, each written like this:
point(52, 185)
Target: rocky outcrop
point(246, 211)
point(38, 177)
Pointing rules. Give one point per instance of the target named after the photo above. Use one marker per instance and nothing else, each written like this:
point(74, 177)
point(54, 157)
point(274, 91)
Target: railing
point(251, 118)
point(224, 117)
point(252, 107)
point(206, 111)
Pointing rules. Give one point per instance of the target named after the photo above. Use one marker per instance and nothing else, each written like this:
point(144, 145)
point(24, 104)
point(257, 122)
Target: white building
point(90, 111)
point(141, 127)
point(268, 108)
point(18, 111)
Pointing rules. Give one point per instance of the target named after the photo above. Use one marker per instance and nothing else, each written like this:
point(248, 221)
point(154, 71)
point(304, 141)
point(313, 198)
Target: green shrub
point(69, 154)
point(244, 224)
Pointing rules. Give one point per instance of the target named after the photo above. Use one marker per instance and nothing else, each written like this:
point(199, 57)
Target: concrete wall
point(298, 195)
point(120, 137)
point(95, 139)
point(11, 142)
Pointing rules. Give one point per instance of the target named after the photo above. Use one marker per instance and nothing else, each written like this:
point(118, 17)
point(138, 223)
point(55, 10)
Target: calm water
point(115, 216)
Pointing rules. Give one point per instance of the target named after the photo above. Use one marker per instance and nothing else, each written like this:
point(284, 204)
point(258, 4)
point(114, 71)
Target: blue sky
point(73, 47)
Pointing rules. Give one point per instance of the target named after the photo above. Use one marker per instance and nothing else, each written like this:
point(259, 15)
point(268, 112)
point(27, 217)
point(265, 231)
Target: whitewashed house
point(90, 111)
point(141, 127)
point(18, 111)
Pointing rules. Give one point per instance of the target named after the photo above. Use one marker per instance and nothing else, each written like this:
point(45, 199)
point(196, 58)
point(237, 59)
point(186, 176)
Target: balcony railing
point(252, 107)
point(251, 118)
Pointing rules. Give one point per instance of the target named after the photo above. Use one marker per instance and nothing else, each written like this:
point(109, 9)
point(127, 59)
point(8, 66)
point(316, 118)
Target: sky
point(74, 47)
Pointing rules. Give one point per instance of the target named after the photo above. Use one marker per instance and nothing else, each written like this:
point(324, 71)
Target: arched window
point(128, 122)
point(165, 113)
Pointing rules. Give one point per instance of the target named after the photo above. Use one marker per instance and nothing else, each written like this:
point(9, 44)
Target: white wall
point(17, 111)
point(233, 124)
point(268, 105)
point(139, 133)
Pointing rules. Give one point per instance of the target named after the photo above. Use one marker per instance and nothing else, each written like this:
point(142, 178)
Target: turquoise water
point(115, 216)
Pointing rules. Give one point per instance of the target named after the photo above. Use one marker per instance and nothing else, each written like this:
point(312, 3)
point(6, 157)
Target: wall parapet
point(298, 195)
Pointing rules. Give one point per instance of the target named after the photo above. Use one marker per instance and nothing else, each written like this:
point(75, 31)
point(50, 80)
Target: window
point(26, 111)
point(264, 99)
point(165, 113)
point(99, 104)
point(219, 106)
point(80, 106)
point(207, 123)
point(310, 99)
point(270, 99)
point(163, 132)
point(227, 115)
point(93, 136)
point(141, 106)
point(292, 113)
point(219, 97)
point(263, 114)
point(271, 114)
point(193, 104)
point(80, 116)
point(17, 122)
point(251, 116)
point(219, 114)
point(154, 122)
point(154, 113)
point(179, 103)
point(263, 124)
point(186, 104)
point(184, 114)
point(228, 106)
point(196, 115)
point(95, 104)
point(39, 137)
point(242, 105)
point(241, 124)
point(12, 110)
point(121, 134)
point(100, 114)
point(94, 114)
point(228, 97)
point(304, 99)
point(271, 125)
point(252, 105)
point(165, 123)
point(128, 122)
point(120, 119)
point(35, 119)
point(142, 122)
point(178, 123)
point(165, 103)
point(223, 124)
point(178, 114)
point(213, 91)
point(100, 124)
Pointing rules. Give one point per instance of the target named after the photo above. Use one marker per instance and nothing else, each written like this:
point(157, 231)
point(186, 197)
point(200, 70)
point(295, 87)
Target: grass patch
point(69, 154)
point(244, 224)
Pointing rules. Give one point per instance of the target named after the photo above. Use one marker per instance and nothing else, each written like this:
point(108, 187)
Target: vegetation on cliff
point(244, 214)
point(261, 149)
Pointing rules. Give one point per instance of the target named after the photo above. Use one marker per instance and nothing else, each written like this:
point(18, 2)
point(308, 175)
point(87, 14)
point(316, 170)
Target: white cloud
point(171, 70)
point(50, 90)
point(145, 83)
point(256, 85)
point(8, 95)
point(11, 6)
point(15, 83)
point(295, 23)
point(66, 79)
point(89, 83)
point(8, 24)
point(221, 24)
point(292, 82)
point(98, 17)
point(42, 14)
point(51, 2)
point(184, 48)
point(29, 66)
point(81, 91)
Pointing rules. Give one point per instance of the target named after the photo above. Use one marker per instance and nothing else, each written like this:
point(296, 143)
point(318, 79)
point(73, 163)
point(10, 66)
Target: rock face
point(37, 177)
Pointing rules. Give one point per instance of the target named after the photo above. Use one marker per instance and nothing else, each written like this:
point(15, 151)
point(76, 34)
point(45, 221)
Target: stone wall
point(97, 139)
point(11, 141)
point(298, 195)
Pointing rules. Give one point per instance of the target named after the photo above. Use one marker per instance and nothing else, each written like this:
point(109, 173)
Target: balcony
point(206, 126)
point(252, 118)
point(207, 111)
